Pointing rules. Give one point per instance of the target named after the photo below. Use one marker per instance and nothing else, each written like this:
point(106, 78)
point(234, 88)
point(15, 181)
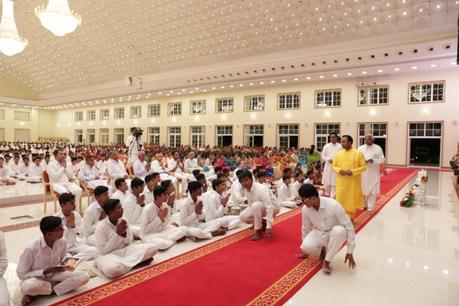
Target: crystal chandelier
point(10, 42)
point(58, 18)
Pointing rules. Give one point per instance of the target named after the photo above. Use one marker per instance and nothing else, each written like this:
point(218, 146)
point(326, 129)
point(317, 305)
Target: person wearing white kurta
point(114, 241)
point(4, 296)
point(189, 211)
point(102, 164)
point(155, 227)
point(325, 227)
point(90, 174)
point(121, 190)
point(24, 169)
point(40, 265)
point(236, 194)
point(35, 171)
point(284, 193)
point(134, 204)
point(175, 165)
point(5, 178)
point(134, 144)
point(214, 207)
point(157, 166)
point(371, 178)
point(115, 167)
point(261, 207)
point(59, 174)
point(328, 154)
point(190, 163)
point(141, 167)
point(295, 186)
point(73, 228)
point(150, 184)
point(15, 166)
point(94, 214)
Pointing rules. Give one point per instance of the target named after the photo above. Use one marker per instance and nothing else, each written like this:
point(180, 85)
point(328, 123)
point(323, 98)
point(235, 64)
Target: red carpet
point(232, 271)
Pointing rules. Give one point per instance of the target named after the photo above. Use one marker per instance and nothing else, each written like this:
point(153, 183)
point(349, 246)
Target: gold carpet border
point(286, 283)
point(99, 293)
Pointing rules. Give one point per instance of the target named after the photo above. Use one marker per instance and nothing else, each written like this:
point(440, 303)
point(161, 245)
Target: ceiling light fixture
point(57, 17)
point(10, 42)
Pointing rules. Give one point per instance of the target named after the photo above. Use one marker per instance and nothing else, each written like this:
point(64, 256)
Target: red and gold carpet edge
point(283, 289)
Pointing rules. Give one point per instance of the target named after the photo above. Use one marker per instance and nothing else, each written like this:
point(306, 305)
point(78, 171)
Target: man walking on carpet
point(325, 226)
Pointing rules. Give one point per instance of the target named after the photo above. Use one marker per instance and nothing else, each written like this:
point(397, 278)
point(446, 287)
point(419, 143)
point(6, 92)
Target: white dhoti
point(288, 204)
point(332, 240)
point(94, 183)
point(123, 260)
point(329, 179)
point(91, 240)
point(255, 213)
point(371, 187)
point(83, 251)
point(229, 222)
point(33, 179)
point(69, 187)
point(167, 238)
point(184, 177)
point(4, 296)
point(66, 282)
point(201, 232)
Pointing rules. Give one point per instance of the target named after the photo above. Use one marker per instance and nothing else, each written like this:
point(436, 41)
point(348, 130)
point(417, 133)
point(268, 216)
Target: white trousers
point(229, 222)
point(4, 297)
point(184, 177)
point(34, 179)
point(202, 231)
point(331, 189)
point(91, 240)
point(255, 213)
point(370, 201)
point(69, 187)
point(67, 281)
point(332, 240)
point(114, 265)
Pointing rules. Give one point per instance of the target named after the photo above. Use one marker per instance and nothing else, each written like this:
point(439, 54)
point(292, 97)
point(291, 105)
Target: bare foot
point(26, 300)
point(256, 236)
point(268, 234)
point(326, 268)
point(301, 256)
point(181, 239)
point(192, 238)
point(219, 232)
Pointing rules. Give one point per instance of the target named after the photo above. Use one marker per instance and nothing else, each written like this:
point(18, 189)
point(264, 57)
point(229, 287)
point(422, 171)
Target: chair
point(48, 190)
point(89, 192)
point(130, 170)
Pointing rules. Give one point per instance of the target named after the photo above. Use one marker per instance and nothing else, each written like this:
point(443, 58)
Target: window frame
point(223, 99)
point(370, 94)
point(150, 108)
point(333, 92)
point(278, 102)
point(203, 105)
point(248, 103)
point(170, 104)
point(432, 84)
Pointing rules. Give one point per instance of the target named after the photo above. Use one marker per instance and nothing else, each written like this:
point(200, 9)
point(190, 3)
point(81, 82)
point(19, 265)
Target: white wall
point(9, 124)
point(396, 114)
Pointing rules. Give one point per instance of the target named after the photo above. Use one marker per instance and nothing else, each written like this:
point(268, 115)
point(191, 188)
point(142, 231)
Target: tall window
point(322, 132)
point(174, 109)
point(224, 105)
point(154, 110)
point(21, 116)
point(118, 134)
point(254, 103)
point(91, 135)
point(104, 136)
point(425, 129)
point(119, 113)
point(198, 107)
point(288, 100)
point(91, 115)
point(224, 135)
point(328, 98)
point(198, 136)
point(425, 92)
point(78, 116)
point(373, 95)
point(79, 136)
point(175, 136)
point(253, 135)
point(378, 130)
point(287, 136)
point(104, 114)
point(153, 136)
point(136, 111)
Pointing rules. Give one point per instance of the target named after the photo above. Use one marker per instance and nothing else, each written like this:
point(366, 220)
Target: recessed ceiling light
point(272, 82)
point(321, 76)
point(261, 83)
point(241, 85)
point(396, 69)
point(380, 70)
point(335, 75)
point(433, 65)
point(453, 63)
point(349, 73)
point(284, 81)
point(295, 79)
point(414, 67)
point(308, 78)
point(364, 72)
point(251, 84)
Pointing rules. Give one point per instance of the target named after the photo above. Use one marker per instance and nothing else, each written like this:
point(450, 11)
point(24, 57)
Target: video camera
point(137, 132)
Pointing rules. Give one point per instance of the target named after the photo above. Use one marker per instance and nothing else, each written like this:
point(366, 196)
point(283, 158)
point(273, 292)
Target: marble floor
point(405, 256)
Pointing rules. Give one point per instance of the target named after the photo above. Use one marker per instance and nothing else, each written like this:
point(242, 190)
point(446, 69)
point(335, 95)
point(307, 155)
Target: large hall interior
point(229, 152)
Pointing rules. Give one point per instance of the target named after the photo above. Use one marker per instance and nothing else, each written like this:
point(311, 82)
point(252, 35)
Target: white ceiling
point(175, 43)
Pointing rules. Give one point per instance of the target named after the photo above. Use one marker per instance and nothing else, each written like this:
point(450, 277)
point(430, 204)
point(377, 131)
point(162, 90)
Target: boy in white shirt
point(284, 193)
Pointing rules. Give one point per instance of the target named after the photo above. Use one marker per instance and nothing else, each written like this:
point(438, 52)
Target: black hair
point(136, 182)
point(333, 133)
point(149, 178)
point(200, 176)
point(286, 177)
point(158, 191)
point(245, 174)
point(65, 198)
point(238, 172)
point(49, 224)
point(307, 191)
point(216, 182)
point(154, 175)
point(195, 172)
point(119, 181)
point(110, 205)
point(194, 185)
point(349, 138)
point(100, 190)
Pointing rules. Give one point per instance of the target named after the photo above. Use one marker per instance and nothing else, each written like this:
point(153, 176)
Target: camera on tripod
point(137, 132)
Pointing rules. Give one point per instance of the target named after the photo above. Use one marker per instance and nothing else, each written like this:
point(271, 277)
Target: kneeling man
point(325, 227)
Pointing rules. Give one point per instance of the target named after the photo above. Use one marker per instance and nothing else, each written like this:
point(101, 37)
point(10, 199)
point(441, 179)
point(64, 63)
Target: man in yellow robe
point(348, 164)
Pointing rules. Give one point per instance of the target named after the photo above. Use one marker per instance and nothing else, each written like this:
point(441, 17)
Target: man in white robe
point(35, 171)
point(328, 154)
point(115, 167)
point(295, 186)
point(215, 207)
point(175, 166)
point(118, 254)
point(90, 174)
point(94, 214)
point(59, 175)
point(261, 210)
point(141, 167)
point(134, 144)
point(40, 265)
point(24, 169)
point(190, 163)
point(4, 296)
point(134, 204)
point(325, 228)
point(236, 192)
point(155, 227)
point(15, 166)
point(73, 228)
point(157, 166)
point(5, 178)
point(284, 193)
point(121, 191)
point(151, 181)
point(371, 178)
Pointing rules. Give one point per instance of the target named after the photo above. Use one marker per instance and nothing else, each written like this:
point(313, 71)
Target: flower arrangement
point(408, 199)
